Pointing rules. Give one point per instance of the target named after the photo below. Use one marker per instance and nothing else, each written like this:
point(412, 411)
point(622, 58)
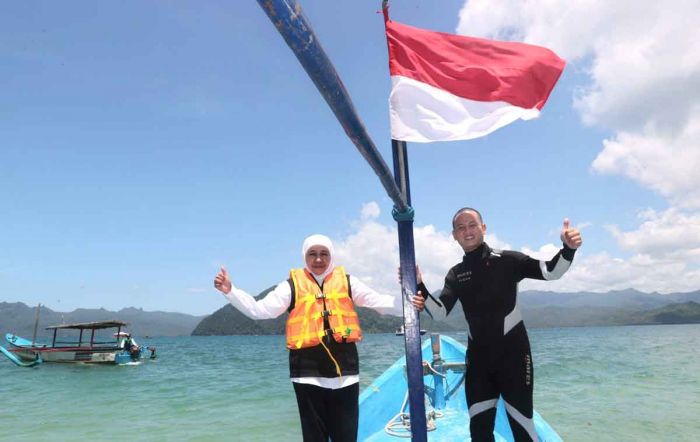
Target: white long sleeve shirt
point(278, 300)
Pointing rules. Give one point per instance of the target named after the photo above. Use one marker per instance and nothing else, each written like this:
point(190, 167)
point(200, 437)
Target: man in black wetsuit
point(499, 363)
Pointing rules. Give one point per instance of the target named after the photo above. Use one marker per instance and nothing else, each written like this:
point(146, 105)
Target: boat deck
point(384, 399)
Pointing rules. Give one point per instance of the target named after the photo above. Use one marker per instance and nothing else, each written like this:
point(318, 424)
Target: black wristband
point(568, 253)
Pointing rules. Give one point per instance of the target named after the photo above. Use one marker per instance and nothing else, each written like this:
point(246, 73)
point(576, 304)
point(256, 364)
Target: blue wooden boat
point(384, 414)
point(87, 347)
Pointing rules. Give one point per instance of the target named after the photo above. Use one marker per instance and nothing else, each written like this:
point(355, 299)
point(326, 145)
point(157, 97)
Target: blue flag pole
point(411, 318)
point(288, 18)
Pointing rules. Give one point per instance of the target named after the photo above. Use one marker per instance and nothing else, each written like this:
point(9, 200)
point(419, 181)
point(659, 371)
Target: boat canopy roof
point(90, 325)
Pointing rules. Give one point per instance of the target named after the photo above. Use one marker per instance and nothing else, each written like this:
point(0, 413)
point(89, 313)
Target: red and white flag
point(449, 87)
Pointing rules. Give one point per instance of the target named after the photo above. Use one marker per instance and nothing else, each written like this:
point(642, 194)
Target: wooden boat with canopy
point(86, 342)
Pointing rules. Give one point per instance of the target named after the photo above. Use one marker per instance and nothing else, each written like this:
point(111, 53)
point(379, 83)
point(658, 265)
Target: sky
point(143, 145)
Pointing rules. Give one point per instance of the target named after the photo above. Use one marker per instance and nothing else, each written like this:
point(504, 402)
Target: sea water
point(591, 384)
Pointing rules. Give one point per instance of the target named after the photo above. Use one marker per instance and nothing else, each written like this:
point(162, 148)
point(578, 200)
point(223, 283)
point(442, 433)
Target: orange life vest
point(305, 325)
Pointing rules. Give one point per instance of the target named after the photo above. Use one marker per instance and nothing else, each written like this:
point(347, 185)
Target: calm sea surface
point(592, 384)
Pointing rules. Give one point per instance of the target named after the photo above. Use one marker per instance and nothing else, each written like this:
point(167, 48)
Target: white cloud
point(665, 258)
point(669, 165)
point(545, 252)
point(643, 65)
point(370, 210)
point(602, 272)
point(372, 252)
point(665, 244)
point(641, 54)
point(642, 61)
point(671, 233)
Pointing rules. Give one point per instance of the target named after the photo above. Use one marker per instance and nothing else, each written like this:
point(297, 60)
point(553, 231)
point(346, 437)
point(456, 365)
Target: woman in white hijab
point(323, 363)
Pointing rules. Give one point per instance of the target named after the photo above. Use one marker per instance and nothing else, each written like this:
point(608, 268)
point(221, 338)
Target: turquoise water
point(592, 384)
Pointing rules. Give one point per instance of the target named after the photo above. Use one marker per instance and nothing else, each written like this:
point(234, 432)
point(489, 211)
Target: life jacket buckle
point(328, 335)
point(320, 295)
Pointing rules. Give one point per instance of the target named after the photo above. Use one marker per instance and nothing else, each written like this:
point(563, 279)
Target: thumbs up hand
point(571, 237)
point(222, 282)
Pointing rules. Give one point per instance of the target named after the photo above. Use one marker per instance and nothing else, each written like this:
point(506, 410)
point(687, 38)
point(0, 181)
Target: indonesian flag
point(449, 87)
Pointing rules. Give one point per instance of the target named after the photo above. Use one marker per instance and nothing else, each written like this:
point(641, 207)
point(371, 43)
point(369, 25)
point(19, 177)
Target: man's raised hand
point(570, 236)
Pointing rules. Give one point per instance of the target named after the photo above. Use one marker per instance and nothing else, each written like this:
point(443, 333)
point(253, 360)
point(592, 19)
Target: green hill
point(229, 321)
point(540, 310)
point(679, 313)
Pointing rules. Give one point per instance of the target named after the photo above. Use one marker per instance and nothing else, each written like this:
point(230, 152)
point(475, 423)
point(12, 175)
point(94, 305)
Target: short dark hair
point(466, 209)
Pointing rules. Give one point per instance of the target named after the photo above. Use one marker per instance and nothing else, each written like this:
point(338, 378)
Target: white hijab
point(318, 240)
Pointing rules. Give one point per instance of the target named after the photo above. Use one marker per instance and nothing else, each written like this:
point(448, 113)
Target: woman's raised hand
point(222, 282)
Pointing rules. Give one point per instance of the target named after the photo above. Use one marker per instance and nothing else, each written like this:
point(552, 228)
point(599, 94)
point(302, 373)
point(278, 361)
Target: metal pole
point(411, 319)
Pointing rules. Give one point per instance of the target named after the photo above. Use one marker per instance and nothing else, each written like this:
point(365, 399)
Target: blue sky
point(145, 144)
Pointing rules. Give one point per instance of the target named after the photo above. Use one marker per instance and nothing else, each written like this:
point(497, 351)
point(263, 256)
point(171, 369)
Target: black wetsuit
point(499, 362)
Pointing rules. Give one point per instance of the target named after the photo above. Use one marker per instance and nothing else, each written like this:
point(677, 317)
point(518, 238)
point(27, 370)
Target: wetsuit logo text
point(464, 276)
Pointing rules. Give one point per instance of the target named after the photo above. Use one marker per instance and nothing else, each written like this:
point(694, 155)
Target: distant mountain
point(626, 299)
point(229, 321)
point(540, 310)
point(680, 313)
point(19, 319)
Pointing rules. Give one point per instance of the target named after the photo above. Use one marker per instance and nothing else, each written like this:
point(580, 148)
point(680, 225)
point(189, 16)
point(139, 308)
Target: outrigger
point(90, 347)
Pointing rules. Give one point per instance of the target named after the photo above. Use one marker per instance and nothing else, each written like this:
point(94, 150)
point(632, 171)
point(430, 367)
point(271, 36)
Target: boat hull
point(383, 399)
point(70, 356)
point(26, 352)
